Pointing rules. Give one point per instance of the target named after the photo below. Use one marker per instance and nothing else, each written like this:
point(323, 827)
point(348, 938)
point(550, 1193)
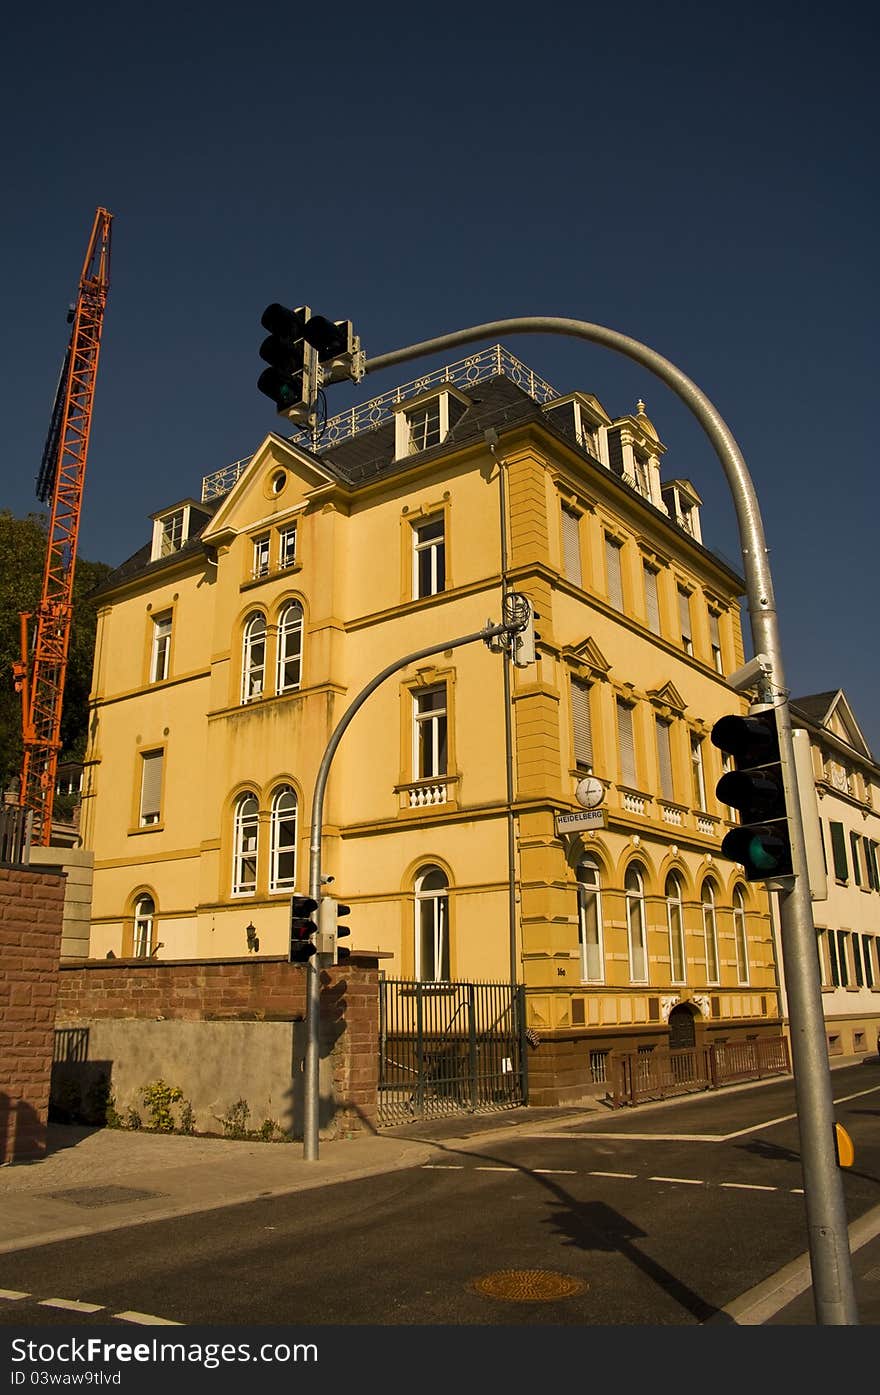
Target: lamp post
point(828, 1241)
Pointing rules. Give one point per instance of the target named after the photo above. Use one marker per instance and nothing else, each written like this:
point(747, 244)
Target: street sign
point(585, 818)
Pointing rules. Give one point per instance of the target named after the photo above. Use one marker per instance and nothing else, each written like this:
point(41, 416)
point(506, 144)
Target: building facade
point(230, 646)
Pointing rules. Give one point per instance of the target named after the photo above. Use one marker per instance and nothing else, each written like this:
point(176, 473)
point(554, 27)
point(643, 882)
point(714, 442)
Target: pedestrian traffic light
point(756, 789)
point(337, 346)
point(523, 650)
point(290, 380)
point(331, 930)
point(302, 928)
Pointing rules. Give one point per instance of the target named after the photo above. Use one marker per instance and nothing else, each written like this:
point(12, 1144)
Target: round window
point(279, 480)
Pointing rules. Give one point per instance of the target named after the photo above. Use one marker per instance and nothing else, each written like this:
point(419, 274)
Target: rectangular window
point(838, 848)
point(652, 601)
point(151, 787)
point(831, 937)
point(842, 965)
point(868, 958)
point(287, 547)
point(430, 734)
point(715, 642)
point(580, 721)
point(615, 579)
point(261, 556)
point(590, 927)
point(423, 426)
point(161, 648)
point(684, 611)
point(854, 845)
point(872, 858)
point(571, 546)
point(699, 776)
point(664, 757)
point(857, 959)
point(626, 743)
point(822, 951)
point(429, 558)
point(172, 534)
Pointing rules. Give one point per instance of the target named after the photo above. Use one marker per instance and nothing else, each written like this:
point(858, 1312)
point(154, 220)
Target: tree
point(23, 543)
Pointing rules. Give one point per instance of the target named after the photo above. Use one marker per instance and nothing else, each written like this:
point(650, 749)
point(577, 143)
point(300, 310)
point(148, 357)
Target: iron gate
point(449, 1048)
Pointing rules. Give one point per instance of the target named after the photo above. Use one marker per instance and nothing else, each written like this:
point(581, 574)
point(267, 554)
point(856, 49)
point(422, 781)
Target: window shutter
point(854, 845)
point(615, 452)
point(626, 743)
point(580, 719)
point(664, 756)
point(612, 562)
point(838, 848)
point(872, 858)
point(652, 604)
point(151, 785)
point(684, 610)
point(571, 547)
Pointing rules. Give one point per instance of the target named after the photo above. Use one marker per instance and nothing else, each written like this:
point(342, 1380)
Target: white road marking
point(73, 1304)
point(147, 1320)
point(443, 1167)
point(554, 1171)
point(12, 1294)
point(483, 1167)
point(631, 1175)
point(747, 1186)
point(688, 1181)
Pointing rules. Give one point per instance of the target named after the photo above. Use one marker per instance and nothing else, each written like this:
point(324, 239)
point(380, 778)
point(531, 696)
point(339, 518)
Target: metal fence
point(650, 1075)
point(15, 834)
point(449, 1048)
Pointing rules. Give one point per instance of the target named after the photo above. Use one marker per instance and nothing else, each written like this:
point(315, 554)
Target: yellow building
point(230, 646)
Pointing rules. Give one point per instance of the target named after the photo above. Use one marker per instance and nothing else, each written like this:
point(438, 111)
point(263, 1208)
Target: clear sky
point(701, 178)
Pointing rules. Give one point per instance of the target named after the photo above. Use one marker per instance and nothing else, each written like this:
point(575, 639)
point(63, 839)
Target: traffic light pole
point(313, 992)
point(830, 1259)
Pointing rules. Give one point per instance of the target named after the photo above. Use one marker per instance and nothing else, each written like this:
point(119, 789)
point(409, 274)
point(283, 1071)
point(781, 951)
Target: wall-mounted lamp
point(253, 942)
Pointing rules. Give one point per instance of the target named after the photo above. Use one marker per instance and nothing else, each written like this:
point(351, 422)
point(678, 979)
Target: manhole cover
point(528, 1285)
point(102, 1196)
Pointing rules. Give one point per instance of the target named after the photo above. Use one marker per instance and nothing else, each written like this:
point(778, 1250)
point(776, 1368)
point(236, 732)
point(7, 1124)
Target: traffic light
point(523, 650)
point(755, 788)
point(331, 931)
point(302, 928)
point(337, 346)
point(290, 381)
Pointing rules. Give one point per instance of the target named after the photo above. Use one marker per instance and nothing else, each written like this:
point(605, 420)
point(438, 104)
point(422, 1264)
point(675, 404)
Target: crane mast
point(40, 676)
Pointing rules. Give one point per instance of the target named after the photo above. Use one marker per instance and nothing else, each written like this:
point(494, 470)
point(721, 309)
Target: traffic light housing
point(302, 928)
point(337, 347)
point(755, 787)
point(332, 931)
point(290, 381)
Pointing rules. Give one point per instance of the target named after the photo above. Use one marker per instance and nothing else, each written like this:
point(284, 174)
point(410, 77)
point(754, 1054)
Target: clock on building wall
point(589, 792)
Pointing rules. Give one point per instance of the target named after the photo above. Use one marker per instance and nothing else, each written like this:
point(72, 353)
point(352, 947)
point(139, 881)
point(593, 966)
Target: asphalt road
point(652, 1217)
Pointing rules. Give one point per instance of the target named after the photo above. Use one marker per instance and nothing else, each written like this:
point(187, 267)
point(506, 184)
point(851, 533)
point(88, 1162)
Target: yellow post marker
point(843, 1145)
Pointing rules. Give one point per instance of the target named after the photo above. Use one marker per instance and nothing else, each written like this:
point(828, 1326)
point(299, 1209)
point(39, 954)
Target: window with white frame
point(715, 642)
point(423, 426)
point(684, 611)
point(675, 921)
point(581, 725)
point(432, 925)
point(589, 903)
point(245, 841)
point(160, 650)
point(652, 600)
point(144, 921)
point(171, 530)
point(430, 733)
point(253, 658)
point(698, 773)
point(282, 840)
point(640, 465)
point(152, 763)
point(634, 886)
point(429, 557)
point(626, 743)
point(613, 550)
point(740, 935)
point(290, 636)
point(663, 731)
point(287, 546)
point(571, 546)
point(710, 931)
point(260, 563)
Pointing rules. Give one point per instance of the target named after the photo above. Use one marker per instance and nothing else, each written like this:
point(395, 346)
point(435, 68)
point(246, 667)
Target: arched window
point(282, 861)
point(432, 926)
point(635, 923)
point(290, 636)
point(739, 934)
point(675, 920)
point(710, 932)
point(144, 925)
point(590, 922)
point(245, 839)
point(253, 658)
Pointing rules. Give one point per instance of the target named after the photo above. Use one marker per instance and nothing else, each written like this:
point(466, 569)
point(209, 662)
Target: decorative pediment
point(840, 721)
point(279, 476)
point(588, 655)
point(668, 700)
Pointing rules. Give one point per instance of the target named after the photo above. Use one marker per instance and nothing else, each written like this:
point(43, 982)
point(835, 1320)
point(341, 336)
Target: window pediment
point(667, 700)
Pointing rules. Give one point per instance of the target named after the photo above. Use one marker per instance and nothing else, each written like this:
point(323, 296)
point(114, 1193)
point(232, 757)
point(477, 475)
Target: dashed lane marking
point(444, 1167)
point(748, 1186)
point(686, 1181)
point(623, 1176)
point(74, 1305)
point(484, 1167)
point(554, 1171)
point(12, 1294)
point(631, 1175)
point(147, 1320)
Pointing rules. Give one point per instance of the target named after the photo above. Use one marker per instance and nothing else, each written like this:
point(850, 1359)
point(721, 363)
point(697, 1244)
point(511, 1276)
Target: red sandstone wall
point(31, 915)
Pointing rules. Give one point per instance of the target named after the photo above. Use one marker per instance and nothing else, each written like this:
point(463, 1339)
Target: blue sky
point(703, 182)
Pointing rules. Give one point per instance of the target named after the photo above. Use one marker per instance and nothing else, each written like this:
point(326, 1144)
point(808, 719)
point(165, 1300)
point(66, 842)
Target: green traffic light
point(761, 856)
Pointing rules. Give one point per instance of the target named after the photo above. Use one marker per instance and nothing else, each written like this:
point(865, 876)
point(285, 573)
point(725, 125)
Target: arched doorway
point(681, 1028)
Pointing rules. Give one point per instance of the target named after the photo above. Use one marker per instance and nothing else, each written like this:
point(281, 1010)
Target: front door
point(681, 1029)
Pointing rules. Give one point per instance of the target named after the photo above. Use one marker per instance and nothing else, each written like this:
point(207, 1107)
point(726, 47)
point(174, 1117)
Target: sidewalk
point(94, 1180)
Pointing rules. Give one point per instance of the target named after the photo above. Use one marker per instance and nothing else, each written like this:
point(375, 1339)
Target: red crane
point(40, 677)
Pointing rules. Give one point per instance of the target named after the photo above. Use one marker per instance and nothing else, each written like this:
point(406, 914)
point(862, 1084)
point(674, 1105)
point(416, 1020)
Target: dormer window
point(173, 528)
point(171, 539)
point(426, 422)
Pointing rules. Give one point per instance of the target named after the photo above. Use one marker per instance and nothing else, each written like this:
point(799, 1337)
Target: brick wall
point(101, 994)
point(31, 916)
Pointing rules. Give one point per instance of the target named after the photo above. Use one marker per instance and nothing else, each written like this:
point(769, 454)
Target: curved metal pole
point(828, 1239)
